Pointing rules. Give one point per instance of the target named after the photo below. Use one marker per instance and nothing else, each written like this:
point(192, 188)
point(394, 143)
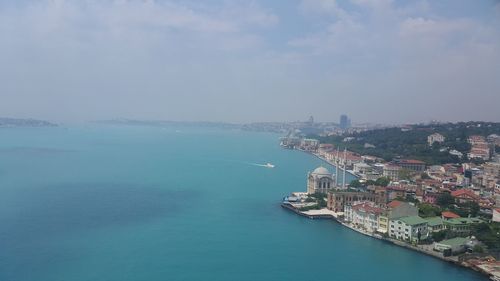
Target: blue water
point(145, 203)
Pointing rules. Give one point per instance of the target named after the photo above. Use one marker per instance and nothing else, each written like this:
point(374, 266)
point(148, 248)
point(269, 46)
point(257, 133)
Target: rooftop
point(394, 204)
point(321, 171)
point(464, 192)
point(457, 241)
point(367, 207)
point(434, 221)
point(461, 221)
point(411, 161)
point(449, 215)
point(413, 220)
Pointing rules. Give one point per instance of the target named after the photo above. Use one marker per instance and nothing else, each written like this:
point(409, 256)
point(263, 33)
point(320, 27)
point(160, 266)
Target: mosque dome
point(321, 171)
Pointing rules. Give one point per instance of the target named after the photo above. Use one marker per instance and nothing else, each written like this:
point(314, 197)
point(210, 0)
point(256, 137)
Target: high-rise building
point(345, 122)
point(311, 120)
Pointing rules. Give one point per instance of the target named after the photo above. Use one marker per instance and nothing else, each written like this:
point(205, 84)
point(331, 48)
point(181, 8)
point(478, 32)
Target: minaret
point(337, 167)
point(345, 161)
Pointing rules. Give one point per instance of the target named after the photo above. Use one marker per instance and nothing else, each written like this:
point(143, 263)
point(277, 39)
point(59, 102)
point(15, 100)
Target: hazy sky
point(241, 61)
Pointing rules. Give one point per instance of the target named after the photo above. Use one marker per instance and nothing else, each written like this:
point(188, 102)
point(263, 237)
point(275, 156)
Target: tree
point(370, 182)
point(470, 208)
point(322, 203)
point(411, 199)
point(355, 184)
point(489, 234)
point(405, 174)
point(425, 176)
point(440, 235)
point(426, 210)
point(445, 200)
point(382, 181)
point(477, 161)
point(478, 249)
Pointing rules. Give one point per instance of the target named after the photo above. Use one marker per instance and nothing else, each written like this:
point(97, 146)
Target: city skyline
point(377, 61)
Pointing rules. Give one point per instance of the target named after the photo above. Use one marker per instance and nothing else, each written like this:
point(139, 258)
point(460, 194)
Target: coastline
point(453, 259)
point(327, 162)
point(327, 214)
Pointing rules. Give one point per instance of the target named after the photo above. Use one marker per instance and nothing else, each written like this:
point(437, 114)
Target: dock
point(311, 214)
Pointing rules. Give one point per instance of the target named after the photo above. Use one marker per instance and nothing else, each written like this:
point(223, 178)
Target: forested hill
point(411, 141)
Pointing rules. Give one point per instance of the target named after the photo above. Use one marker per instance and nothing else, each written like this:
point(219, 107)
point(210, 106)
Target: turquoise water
point(144, 203)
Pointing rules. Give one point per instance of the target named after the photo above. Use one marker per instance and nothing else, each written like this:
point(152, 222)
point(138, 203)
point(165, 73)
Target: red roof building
point(446, 215)
point(394, 204)
point(367, 207)
point(465, 195)
point(411, 164)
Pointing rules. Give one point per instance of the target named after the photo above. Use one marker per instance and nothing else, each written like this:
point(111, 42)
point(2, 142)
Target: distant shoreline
point(24, 123)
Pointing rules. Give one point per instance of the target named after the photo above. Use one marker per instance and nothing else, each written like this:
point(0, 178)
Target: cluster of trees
point(393, 142)
point(489, 234)
point(447, 202)
point(442, 235)
point(319, 199)
point(382, 181)
point(427, 210)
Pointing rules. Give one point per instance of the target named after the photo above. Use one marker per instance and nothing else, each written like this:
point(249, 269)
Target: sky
point(379, 61)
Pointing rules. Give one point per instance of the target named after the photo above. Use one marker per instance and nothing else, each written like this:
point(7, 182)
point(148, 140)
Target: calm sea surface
point(145, 203)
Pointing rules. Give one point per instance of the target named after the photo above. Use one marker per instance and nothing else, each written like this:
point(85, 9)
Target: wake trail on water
point(258, 165)
point(246, 163)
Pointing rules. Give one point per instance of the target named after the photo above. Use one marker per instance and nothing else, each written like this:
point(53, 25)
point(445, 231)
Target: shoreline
point(452, 259)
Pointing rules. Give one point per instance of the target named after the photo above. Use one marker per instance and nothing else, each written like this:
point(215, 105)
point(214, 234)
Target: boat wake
point(267, 165)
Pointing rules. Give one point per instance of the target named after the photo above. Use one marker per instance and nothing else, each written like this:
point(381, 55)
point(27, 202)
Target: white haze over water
point(241, 61)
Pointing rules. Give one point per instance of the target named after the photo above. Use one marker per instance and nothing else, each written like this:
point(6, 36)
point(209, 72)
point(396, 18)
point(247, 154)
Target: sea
point(130, 203)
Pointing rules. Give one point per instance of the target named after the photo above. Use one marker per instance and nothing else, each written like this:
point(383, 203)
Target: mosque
point(320, 181)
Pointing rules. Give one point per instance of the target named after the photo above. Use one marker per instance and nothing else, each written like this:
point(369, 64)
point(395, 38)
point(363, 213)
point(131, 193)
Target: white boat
point(269, 165)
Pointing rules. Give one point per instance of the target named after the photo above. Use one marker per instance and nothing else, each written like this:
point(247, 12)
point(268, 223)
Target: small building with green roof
point(461, 226)
point(410, 228)
point(455, 245)
point(435, 224)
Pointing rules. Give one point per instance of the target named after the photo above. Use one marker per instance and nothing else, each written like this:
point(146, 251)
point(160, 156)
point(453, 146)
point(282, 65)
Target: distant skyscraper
point(345, 122)
point(311, 120)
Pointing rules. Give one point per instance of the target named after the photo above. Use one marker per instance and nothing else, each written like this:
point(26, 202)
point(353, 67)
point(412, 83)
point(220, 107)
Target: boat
point(269, 165)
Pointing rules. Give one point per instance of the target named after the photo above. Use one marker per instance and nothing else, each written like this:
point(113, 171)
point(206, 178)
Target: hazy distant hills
point(162, 123)
point(19, 122)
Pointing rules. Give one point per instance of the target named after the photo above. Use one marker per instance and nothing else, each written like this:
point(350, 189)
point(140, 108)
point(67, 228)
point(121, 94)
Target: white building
point(363, 215)
point(309, 144)
point(362, 168)
point(391, 171)
point(320, 181)
point(436, 137)
point(408, 228)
